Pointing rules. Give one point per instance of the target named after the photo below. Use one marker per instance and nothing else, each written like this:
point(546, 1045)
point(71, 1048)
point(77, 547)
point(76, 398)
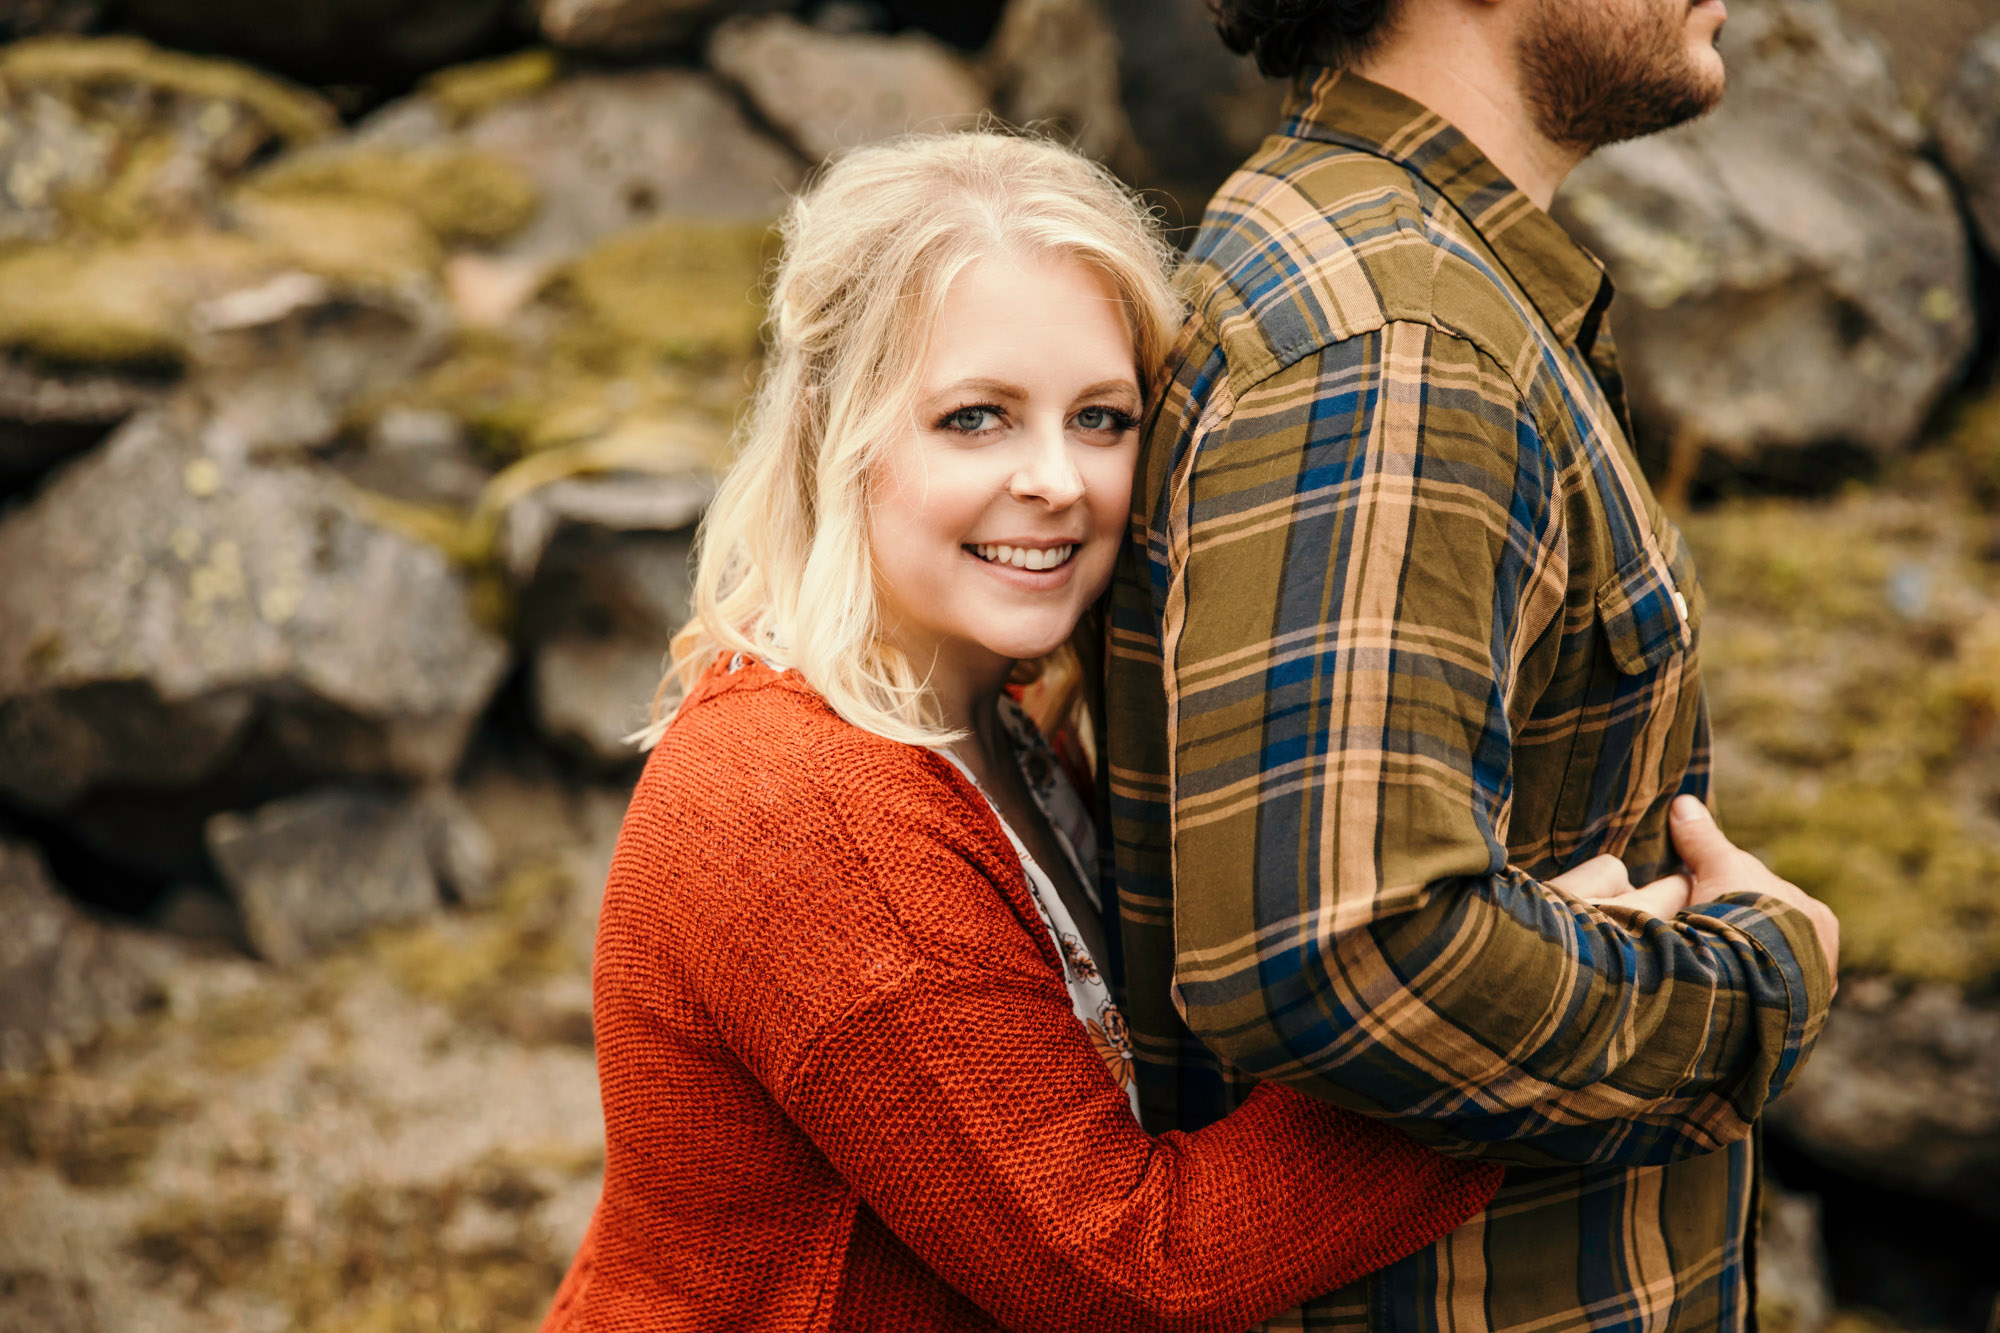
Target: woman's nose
point(1047, 472)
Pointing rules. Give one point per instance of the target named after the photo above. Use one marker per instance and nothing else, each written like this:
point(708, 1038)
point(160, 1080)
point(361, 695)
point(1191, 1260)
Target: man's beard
point(1600, 71)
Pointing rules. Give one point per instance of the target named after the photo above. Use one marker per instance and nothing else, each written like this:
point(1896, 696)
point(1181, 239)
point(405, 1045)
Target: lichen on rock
point(1852, 650)
point(464, 197)
point(675, 291)
point(289, 112)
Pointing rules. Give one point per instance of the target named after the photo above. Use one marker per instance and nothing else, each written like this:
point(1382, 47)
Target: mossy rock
point(292, 113)
point(118, 304)
point(463, 197)
point(365, 241)
point(678, 290)
point(1852, 653)
point(464, 92)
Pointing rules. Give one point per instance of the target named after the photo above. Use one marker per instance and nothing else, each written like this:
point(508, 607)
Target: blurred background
point(363, 366)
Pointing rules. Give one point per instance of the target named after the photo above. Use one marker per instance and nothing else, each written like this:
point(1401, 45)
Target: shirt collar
point(1564, 280)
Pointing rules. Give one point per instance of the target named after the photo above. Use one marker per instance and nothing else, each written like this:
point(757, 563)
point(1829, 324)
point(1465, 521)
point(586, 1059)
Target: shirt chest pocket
point(1644, 614)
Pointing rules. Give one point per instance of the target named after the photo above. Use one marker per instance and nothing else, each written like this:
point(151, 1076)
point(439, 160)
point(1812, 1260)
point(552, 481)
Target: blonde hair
point(870, 249)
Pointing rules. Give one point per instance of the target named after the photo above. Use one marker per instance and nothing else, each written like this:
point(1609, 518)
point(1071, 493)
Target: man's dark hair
point(1285, 35)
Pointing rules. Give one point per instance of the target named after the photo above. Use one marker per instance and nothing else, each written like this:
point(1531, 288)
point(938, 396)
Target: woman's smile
point(996, 517)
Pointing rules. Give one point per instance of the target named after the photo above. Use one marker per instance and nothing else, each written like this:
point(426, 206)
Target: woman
point(859, 1062)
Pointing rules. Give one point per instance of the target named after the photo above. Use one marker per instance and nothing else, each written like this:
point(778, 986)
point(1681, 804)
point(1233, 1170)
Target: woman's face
point(996, 516)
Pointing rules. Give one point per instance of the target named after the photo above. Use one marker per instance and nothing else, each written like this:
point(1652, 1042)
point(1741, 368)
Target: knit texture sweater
point(844, 1087)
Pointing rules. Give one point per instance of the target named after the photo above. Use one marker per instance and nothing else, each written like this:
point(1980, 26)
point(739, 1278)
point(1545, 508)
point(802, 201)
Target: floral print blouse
point(1069, 819)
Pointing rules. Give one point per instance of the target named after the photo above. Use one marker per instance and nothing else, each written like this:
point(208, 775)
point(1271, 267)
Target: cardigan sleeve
point(968, 1109)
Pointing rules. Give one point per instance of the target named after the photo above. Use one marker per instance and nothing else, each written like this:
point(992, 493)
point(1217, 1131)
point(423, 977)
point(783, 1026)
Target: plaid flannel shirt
point(1400, 634)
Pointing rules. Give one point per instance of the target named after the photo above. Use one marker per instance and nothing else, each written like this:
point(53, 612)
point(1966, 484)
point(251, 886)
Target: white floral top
point(1070, 820)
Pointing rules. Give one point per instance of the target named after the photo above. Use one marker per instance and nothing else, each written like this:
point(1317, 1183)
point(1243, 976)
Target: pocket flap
point(1644, 616)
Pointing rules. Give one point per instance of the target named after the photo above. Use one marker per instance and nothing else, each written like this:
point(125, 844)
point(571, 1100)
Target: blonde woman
point(861, 1063)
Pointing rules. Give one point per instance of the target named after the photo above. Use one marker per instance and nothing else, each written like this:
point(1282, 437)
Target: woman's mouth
point(1030, 558)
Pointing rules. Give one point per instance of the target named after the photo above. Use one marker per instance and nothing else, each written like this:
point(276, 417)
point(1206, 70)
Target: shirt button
point(1680, 604)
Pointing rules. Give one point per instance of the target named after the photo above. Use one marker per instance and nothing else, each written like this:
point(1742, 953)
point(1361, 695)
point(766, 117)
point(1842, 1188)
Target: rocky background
point(363, 366)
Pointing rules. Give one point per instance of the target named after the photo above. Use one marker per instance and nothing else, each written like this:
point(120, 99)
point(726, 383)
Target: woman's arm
point(969, 1110)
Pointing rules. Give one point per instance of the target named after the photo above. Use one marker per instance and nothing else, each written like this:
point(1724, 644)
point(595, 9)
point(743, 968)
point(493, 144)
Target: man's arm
point(1362, 553)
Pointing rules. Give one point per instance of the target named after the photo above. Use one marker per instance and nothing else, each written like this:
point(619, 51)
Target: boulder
point(1794, 1292)
point(315, 869)
point(48, 413)
point(1904, 1089)
point(592, 695)
point(178, 615)
point(1923, 41)
point(604, 153)
point(825, 91)
point(116, 133)
point(1793, 273)
point(64, 977)
point(1196, 108)
point(603, 563)
point(27, 18)
point(1053, 65)
point(1968, 132)
point(623, 27)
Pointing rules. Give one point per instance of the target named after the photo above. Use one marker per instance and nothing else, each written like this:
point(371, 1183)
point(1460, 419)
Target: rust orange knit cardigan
point(844, 1087)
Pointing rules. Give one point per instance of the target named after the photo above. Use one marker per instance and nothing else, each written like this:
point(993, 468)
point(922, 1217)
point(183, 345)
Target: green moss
point(362, 241)
point(94, 1137)
point(219, 1243)
point(1862, 724)
point(290, 112)
point(1911, 883)
point(677, 290)
point(484, 969)
point(463, 197)
point(377, 1259)
point(123, 304)
point(466, 91)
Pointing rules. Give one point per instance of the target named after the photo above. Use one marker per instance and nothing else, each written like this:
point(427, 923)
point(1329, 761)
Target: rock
point(1794, 1293)
point(591, 696)
point(678, 290)
point(50, 413)
point(28, 18)
point(63, 976)
point(462, 196)
point(460, 851)
point(827, 91)
point(1053, 64)
point(284, 364)
point(1904, 1089)
point(1923, 42)
point(1793, 273)
point(116, 133)
point(419, 456)
point(1968, 132)
point(175, 612)
point(604, 567)
point(312, 870)
point(1196, 108)
point(624, 26)
point(329, 42)
point(607, 152)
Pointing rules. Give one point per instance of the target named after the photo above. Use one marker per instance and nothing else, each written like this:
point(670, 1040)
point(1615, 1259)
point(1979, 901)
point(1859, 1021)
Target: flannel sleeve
point(1359, 555)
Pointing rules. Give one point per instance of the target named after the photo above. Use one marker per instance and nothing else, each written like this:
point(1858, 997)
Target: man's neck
point(1464, 70)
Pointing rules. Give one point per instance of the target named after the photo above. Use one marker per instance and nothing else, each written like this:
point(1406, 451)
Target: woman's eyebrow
point(986, 388)
point(1109, 386)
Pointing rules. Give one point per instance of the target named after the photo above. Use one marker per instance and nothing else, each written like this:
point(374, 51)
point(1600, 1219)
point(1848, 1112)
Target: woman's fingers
point(1595, 880)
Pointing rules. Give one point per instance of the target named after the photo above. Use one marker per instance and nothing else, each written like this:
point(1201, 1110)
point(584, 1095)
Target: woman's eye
point(1104, 419)
point(972, 420)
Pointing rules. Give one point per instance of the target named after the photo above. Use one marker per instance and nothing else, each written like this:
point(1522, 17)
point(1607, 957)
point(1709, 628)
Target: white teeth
point(1022, 557)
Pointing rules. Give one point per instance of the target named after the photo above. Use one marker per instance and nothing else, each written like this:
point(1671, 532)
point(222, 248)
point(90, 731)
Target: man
point(1405, 675)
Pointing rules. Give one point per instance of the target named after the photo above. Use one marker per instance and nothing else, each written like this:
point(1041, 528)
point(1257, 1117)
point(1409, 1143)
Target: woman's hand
point(1605, 879)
